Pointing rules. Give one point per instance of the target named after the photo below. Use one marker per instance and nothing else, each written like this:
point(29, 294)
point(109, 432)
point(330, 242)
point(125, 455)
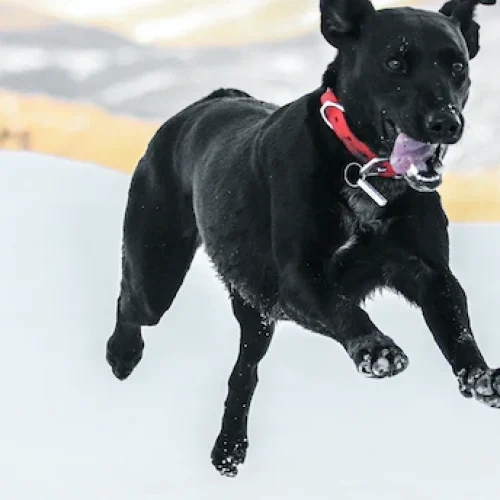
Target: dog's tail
point(232, 93)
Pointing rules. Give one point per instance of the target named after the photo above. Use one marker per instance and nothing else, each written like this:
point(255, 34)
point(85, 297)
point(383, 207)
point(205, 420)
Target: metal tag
point(362, 183)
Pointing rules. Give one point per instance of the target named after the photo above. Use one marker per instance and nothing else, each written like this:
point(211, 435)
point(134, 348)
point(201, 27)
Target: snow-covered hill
point(69, 430)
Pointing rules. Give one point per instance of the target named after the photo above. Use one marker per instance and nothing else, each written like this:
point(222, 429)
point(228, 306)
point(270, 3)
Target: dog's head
point(403, 73)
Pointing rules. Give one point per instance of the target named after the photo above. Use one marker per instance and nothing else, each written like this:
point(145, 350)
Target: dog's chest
point(363, 215)
point(362, 238)
point(364, 227)
point(373, 251)
point(362, 209)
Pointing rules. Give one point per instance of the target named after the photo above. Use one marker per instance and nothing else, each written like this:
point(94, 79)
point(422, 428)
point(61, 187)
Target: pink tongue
point(408, 152)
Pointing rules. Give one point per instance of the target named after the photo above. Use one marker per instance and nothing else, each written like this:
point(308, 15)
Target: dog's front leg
point(308, 299)
point(444, 305)
point(308, 293)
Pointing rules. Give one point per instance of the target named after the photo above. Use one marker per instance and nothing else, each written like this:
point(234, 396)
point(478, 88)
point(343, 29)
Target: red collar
point(333, 114)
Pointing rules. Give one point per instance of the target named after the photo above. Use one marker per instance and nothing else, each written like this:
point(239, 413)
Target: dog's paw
point(379, 357)
point(228, 454)
point(481, 384)
point(124, 356)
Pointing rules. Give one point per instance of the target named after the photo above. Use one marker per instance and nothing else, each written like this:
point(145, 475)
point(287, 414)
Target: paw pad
point(481, 384)
point(382, 362)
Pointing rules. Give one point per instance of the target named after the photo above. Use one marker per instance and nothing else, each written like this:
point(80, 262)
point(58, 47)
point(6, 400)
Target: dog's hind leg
point(160, 239)
point(256, 335)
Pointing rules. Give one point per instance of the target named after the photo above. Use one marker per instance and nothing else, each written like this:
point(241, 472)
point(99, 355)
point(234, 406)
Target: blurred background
point(93, 80)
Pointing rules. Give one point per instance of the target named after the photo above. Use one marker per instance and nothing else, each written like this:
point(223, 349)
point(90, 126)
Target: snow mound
point(318, 430)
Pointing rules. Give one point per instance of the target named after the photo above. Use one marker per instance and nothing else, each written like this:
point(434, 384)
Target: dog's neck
point(356, 198)
point(332, 78)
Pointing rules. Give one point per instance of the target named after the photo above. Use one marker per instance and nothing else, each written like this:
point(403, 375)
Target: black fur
point(262, 188)
point(462, 11)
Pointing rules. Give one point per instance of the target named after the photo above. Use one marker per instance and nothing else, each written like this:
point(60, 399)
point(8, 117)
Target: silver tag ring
point(346, 174)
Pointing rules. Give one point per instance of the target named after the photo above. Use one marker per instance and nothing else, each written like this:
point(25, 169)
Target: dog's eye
point(396, 65)
point(458, 67)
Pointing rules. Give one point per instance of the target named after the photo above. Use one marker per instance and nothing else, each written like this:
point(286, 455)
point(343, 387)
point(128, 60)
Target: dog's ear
point(341, 20)
point(462, 12)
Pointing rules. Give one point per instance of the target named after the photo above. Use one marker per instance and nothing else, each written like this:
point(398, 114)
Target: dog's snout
point(444, 126)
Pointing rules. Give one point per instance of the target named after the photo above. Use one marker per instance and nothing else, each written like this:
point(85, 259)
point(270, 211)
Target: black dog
point(269, 194)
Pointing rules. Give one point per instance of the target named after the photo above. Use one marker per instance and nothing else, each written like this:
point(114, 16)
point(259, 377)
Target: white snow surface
point(318, 430)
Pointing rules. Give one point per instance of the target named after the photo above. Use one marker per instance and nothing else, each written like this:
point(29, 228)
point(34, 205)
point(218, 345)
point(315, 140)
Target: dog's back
point(216, 121)
point(203, 163)
point(229, 92)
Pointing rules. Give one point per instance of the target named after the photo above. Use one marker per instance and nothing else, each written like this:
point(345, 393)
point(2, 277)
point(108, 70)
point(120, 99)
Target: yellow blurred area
point(181, 22)
point(214, 22)
point(73, 130)
point(17, 16)
point(472, 196)
point(225, 22)
point(86, 132)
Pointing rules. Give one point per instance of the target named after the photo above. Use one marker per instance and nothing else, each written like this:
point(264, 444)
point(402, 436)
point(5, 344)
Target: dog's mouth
point(430, 177)
point(419, 163)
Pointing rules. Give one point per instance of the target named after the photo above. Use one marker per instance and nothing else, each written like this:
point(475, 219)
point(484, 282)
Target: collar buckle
point(325, 106)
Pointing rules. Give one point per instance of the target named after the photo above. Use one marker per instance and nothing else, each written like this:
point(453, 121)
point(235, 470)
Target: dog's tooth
point(413, 170)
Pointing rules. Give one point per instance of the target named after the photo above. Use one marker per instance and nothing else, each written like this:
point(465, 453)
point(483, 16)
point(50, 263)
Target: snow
point(195, 18)
point(81, 64)
point(318, 429)
point(135, 87)
point(90, 9)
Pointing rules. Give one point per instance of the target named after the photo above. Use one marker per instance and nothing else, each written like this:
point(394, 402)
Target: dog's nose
point(444, 126)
